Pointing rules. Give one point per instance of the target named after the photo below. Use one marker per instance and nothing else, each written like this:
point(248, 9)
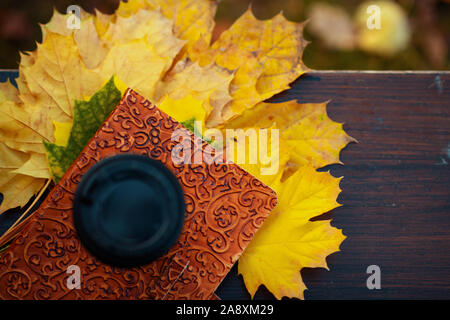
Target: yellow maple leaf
point(90, 46)
point(8, 92)
point(140, 42)
point(127, 67)
point(72, 65)
point(209, 84)
point(36, 166)
point(62, 132)
point(25, 95)
point(56, 79)
point(102, 22)
point(19, 142)
point(244, 147)
point(266, 54)
point(193, 19)
point(310, 136)
point(264, 115)
point(14, 133)
point(87, 38)
point(288, 241)
point(150, 25)
point(184, 109)
point(316, 140)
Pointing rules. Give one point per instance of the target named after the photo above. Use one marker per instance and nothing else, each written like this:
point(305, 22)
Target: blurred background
point(413, 34)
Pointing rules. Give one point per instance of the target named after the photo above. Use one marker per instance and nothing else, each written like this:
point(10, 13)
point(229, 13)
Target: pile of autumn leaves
point(162, 49)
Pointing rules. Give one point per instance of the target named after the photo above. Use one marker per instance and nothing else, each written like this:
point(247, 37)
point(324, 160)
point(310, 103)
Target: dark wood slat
point(396, 193)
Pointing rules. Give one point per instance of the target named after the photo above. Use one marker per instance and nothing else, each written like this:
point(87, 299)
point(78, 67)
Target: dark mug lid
point(128, 210)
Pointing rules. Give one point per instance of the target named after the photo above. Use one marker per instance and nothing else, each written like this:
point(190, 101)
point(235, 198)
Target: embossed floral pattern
point(225, 206)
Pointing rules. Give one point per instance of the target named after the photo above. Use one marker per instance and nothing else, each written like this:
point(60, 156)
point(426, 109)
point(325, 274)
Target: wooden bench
point(396, 186)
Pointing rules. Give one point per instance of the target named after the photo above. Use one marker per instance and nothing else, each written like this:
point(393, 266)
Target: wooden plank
point(396, 193)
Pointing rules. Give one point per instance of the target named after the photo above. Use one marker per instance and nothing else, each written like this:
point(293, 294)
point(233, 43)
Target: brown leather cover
point(225, 206)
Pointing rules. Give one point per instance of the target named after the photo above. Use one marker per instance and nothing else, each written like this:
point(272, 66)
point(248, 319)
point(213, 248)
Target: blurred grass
point(19, 30)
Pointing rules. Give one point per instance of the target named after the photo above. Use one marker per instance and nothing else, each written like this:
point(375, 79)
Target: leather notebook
point(224, 207)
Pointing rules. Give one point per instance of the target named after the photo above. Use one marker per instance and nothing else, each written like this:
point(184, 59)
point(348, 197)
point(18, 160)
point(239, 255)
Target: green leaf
point(189, 124)
point(87, 119)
